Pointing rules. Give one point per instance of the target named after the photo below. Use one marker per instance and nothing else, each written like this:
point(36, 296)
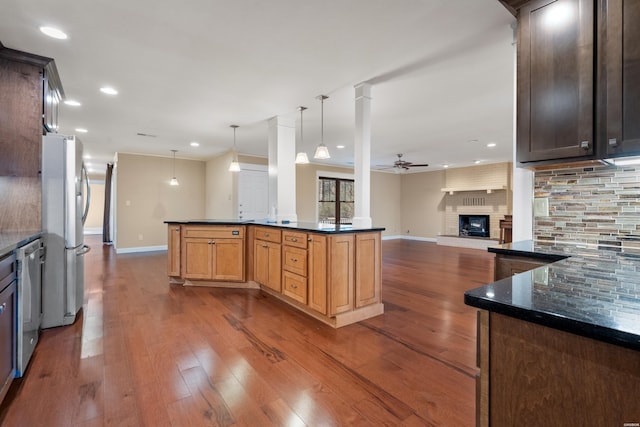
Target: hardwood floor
point(146, 353)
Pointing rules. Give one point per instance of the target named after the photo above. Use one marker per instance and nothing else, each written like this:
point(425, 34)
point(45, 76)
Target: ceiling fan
point(400, 165)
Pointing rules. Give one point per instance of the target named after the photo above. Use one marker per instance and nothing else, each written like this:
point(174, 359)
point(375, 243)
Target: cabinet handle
point(3, 307)
point(584, 145)
point(265, 246)
point(309, 239)
point(213, 242)
point(266, 234)
point(294, 259)
point(294, 286)
point(613, 142)
point(177, 228)
point(293, 239)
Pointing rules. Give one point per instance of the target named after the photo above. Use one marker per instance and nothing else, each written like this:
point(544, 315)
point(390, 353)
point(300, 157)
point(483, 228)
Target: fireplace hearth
point(473, 226)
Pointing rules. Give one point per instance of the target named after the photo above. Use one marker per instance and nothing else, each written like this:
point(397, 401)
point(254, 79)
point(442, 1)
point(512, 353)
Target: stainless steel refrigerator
point(65, 203)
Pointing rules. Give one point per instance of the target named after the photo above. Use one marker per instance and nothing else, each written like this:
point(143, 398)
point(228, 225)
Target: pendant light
point(235, 165)
point(174, 180)
point(301, 157)
point(322, 152)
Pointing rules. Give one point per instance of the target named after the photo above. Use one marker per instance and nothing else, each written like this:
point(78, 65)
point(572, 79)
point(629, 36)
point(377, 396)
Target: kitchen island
point(560, 344)
point(330, 272)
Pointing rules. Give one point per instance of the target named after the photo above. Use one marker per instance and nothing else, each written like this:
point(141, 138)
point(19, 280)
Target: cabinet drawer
point(294, 260)
point(268, 234)
point(295, 287)
point(229, 232)
point(292, 238)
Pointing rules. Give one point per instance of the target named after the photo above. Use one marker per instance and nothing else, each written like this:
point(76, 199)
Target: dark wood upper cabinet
point(620, 87)
point(30, 90)
point(555, 81)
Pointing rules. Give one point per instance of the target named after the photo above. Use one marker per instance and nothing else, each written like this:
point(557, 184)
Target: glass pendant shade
point(174, 181)
point(322, 152)
point(302, 158)
point(234, 166)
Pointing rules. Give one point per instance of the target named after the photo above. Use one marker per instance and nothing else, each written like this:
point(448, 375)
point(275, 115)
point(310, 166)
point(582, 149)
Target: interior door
point(253, 194)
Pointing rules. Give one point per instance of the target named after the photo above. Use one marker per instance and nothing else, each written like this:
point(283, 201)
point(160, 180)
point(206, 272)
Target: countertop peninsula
point(314, 227)
point(11, 240)
point(593, 292)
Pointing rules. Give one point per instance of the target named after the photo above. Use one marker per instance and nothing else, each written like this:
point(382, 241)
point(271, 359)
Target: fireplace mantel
point(488, 190)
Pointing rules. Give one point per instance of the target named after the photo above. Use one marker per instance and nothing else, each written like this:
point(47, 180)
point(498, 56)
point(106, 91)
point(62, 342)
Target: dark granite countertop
point(594, 293)
point(11, 240)
point(298, 226)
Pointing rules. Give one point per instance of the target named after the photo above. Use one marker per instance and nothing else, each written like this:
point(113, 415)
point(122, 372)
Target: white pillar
point(522, 178)
point(282, 168)
point(362, 157)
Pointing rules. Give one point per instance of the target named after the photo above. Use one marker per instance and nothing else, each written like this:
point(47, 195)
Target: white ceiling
point(441, 70)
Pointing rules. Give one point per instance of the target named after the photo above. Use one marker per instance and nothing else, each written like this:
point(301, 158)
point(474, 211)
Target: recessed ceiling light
point(54, 33)
point(340, 146)
point(491, 144)
point(81, 130)
point(194, 144)
point(477, 162)
point(72, 103)
point(445, 166)
point(87, 156)
point(108, 90)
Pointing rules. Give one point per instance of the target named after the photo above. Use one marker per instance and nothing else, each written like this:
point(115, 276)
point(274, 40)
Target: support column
point(362, 157)
point(282, 169)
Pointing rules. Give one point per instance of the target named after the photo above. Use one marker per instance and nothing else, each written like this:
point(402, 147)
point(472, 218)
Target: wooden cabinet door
point(317, 273)
point(340, 270)
point(620, 62)
point(228, 259)
point(261, 262)
point(267, 264)
point(173, 250)
point(20, 119)
point(555, 80)
point(197, 254)
point(368, 265)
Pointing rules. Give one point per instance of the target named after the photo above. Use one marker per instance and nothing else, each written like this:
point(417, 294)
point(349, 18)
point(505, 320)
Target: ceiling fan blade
point(417, 166)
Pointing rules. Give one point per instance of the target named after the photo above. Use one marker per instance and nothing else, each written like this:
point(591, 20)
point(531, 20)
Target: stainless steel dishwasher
point(29, 292)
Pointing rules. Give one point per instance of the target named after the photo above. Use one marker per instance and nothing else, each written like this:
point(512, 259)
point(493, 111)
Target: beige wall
point(422, 204)
point(221, 197)
point(95, 215)
point(145, 199)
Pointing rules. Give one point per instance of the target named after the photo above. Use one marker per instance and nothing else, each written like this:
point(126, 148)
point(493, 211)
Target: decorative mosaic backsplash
point(594, 205)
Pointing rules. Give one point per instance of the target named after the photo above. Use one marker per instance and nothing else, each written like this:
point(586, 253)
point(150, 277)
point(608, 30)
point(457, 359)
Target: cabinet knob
point(266, 234)
point(294, 259)
point(613, 142)
point(265, 246)
point(584, 145)
point(213, 242)
point(3, 307)
point(293, 239)
point(177, 228)
point(309, 239)
point(294, 286)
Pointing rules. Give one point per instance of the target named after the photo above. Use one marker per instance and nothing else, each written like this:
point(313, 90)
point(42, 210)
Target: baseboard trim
point(141, 249)
point(422, 239)
point(92, 230)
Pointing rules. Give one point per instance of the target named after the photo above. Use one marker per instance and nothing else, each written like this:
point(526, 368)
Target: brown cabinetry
point(620, 57)
point(267, 257)
point(340, 268)
point(555, 80)
point(213, 253)
point(173, 252)
point(22, 87)
point(295, 265)
point(578, 80)
point(368, 265)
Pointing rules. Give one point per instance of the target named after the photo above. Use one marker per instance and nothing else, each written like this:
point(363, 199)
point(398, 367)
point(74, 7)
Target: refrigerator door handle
point(88, 198)
point(83, 250)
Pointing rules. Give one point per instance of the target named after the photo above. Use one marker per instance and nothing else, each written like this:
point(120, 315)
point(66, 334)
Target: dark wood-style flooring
point(146, 353)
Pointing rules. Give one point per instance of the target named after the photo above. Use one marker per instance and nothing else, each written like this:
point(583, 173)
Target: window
point(335, 200)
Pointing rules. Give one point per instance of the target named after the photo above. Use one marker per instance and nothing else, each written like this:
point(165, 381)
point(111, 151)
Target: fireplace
point(473, 225)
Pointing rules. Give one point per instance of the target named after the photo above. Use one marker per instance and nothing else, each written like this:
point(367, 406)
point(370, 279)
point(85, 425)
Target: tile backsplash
point(593, 205)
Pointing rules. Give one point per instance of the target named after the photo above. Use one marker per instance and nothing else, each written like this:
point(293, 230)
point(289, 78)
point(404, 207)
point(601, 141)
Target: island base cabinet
point(543, 376)
point(173, 251)
point(267, 258)
point(341, 271)
point(215, 253)
point(317, 273)
point(368, 265)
